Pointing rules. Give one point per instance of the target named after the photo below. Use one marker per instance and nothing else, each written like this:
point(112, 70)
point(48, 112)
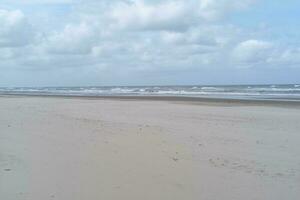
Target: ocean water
point(289, 92)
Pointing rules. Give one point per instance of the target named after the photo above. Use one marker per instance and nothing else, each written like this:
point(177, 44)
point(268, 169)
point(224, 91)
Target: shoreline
point(178, 99)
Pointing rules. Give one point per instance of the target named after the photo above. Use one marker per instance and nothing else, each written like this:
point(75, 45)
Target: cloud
point(170, 15)
point(265, 54)
point(216, 9)
point(15, 31)
point(28, 2)
point(196, 36)
point(290, 56)
point(138, 33)
point(6, 53)
point(252, 52)
point(74, 39)
point(136, 36)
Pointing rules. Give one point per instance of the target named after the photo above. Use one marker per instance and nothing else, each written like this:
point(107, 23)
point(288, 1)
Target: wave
point(260, 91)
point(211, 88)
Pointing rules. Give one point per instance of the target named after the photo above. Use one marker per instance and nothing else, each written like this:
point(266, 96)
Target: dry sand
point(92, 149)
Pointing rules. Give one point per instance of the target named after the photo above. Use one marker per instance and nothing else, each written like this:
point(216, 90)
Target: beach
point(162, 148)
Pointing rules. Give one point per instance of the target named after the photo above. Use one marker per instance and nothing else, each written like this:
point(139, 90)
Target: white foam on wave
point(211, 88)
point(225, 91)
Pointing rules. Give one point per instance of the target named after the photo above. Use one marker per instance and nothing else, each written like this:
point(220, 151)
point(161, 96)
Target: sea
point(271, 91)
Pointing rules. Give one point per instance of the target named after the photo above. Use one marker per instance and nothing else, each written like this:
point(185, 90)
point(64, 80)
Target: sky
point(149, 42)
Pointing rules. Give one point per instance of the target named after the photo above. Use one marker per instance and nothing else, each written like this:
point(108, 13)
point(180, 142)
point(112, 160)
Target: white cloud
point(24, 2)
point(15, 30)
point(74, 39)
point(197, 36)
point(135, 35)
point(139, 15)
point(290, 56)
point(252, 52)
point(170, 15)
point(6, 53)
point(265, 54)
point(216, 9)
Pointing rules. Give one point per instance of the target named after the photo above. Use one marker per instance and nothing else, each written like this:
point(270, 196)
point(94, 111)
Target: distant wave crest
point(234, 91)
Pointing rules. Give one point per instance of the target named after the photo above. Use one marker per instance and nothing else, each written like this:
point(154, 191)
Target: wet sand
point(72, 148)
